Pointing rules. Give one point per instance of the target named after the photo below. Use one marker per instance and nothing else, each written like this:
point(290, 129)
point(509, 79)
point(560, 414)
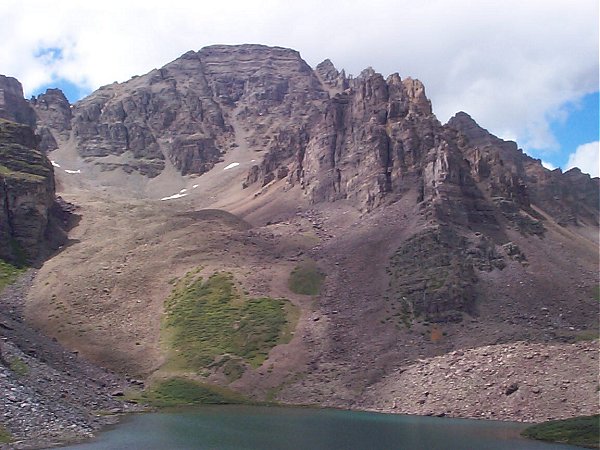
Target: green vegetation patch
point(181, 391)
point(306, 279)
point(5, 436)
point(583, 431)
point(206, 319)
point(18, 366)
point(596, 293)
point(8, 273)
point(587, 335)
point(21, 174)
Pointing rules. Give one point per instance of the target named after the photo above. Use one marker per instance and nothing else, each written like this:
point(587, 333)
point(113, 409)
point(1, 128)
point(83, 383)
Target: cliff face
point(12, 104)
point(27, 228)
point(370, 141)
point(53, 113)
point(366, 139)
point(506, 174)
point(31, 221)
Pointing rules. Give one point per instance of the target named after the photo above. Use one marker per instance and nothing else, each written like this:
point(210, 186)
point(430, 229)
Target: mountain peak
point(243, 160)
point(463, 122)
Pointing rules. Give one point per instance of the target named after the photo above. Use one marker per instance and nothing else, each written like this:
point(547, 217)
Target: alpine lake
point(236, 427)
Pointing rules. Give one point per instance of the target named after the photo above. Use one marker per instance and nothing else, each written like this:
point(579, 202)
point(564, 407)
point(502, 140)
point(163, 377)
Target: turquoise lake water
point(277, 428)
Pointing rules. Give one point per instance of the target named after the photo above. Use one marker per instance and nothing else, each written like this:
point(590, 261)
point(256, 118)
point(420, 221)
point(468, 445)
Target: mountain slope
point(48, 394)
point(433, 238)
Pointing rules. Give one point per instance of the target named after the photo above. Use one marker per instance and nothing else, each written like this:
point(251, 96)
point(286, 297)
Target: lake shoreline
point(116, 420)
point(206, 422)
point(59, 397)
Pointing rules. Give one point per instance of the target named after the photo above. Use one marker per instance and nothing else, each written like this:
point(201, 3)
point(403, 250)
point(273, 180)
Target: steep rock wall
point(30, 220)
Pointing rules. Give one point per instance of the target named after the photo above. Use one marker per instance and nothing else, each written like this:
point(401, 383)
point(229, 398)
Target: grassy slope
point(210, 325)
point(207, 319)
point(181, 391)
point(582, 431)
point(8, 273)
point(5, 436)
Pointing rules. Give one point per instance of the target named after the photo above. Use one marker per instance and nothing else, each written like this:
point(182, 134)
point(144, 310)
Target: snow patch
point(174, 196)
point(194, 186)
point(231, 166)
point(73, 171)
point(54, 163)
point(182, 191)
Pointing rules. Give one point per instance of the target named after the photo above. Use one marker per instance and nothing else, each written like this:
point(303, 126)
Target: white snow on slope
point(231, 166)
point(174, 196)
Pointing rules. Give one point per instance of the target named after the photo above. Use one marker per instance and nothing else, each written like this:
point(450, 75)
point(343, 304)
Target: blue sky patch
point(580, 127)
point(49, 54)
point(72, 91)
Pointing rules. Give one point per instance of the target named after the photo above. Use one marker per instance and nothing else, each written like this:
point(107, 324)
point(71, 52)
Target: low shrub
point(583, 431)
point(306, 279)
point(18, 366)
point(5, 436)
point(8, 273)
point(181, 391)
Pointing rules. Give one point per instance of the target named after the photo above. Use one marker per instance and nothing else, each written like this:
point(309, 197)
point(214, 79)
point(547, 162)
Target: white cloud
point(586, 158)
point(512, 64)
point(548, 165)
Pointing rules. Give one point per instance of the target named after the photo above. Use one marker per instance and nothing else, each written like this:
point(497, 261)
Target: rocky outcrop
point(432, 278)
point(53, 113)
point(30, 219)
point(330, 76)
point(367, 139)
point(188, 111)
point(517, 183)
point(12, 104)
point(270, 98)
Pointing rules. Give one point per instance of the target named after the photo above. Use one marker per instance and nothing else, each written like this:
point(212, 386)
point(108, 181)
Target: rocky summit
point(337, 243)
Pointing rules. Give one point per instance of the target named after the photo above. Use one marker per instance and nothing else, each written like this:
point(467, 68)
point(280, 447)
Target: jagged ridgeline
point(367, 139)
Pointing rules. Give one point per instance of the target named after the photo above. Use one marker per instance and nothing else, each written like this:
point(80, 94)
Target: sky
point(524, 70)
